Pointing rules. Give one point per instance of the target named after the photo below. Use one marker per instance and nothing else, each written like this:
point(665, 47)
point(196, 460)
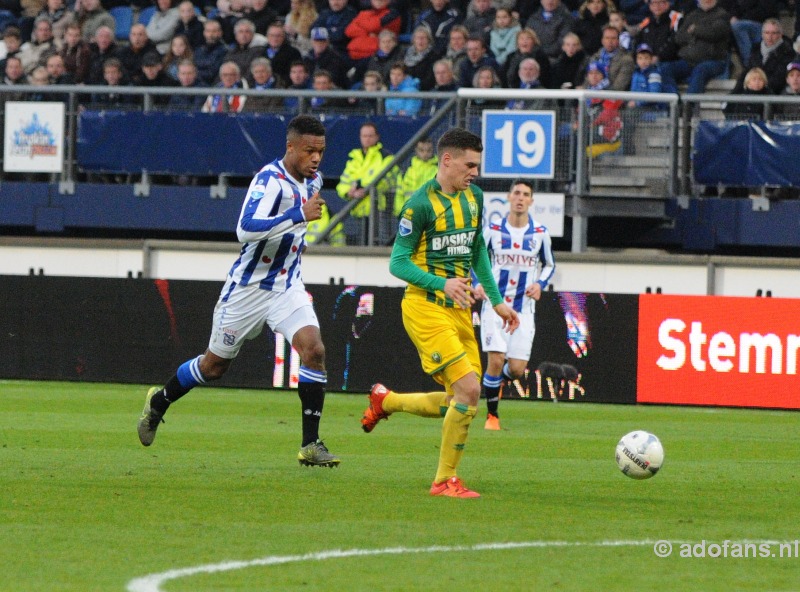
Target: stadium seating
point(123, 17)
point(145, 14)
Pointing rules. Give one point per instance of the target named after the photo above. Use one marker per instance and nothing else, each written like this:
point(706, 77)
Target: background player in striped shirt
point(264, 287)
point(522, 264)
point(439, 240)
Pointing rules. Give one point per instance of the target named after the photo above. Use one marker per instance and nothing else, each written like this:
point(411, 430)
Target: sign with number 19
point(518, 144)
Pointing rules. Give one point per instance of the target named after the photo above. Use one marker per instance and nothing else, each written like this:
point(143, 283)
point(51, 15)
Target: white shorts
point(247, 309)
point(494, 338)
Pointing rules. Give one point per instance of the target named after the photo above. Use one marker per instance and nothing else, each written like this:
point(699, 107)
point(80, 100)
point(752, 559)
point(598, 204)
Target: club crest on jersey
point(405, 227)
point(436, 357)
point(228, 339)
point(473, 210)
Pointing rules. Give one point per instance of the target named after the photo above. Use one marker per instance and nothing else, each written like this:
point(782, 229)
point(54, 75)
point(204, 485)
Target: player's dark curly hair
point(305, 125)
point(458, 139)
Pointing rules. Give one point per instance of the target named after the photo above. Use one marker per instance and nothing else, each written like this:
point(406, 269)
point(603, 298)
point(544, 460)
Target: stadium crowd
point(394, 45)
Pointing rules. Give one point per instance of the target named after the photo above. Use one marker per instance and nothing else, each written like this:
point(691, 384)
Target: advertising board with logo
point(33, 137)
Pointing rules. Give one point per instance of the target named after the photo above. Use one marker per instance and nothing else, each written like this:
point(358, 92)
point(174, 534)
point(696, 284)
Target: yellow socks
point(454, 436)
point(423, 404)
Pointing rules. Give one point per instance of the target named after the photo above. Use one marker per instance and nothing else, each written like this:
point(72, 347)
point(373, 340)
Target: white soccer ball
point(639, 454)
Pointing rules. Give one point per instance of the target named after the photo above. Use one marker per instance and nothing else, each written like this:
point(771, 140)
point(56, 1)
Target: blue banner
point(214, 143)
point(747, 153)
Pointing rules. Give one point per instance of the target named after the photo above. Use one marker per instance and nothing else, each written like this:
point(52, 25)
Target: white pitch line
point(153, 582)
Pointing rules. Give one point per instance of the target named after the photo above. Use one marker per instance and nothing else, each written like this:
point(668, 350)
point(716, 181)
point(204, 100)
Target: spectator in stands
point(791, 110)
point(42, 44)
point(618, 65)
point(606, 123)
point(162, 24)
point(389, 52)
point(39, 77)
point(755, 85)
point(592, 17)
point(486, 77)
point(322, 83)
point(635, 10)
point(400, 81)
point(211, 54)
point(503, 36)
point(56, 12)
point(187, 77)
point(423, 168)
point(179, 49)
point(440, 18)
point(747, 19)
point(551, 22)
point(363, 30)
point(528, 46)
point(772, 54)
point(91, 15)
point(263, 79)
point(280, 52)
point(658, 29)
point(153, 76)
point(617, 20)
point(114, 76)
point(14, 75)
point(76, 54)
point(300, 79)
point(102, 48)
point(363, 166)
point(528, 74)
point(335, 19)
point(245, 50)
point(457, 46)
point(298, 24)
point(228, 13)
point(189, 24)
point(646, 76)
point(477, 58)
point(27, 17)
point(373, 82)
point(12, 40)
point(131, 56)
point(230, 77)
point(261, 15)
point(480, 19)
point(567, 71)
point(445, 77)
point(324, 57)
point(420, 57)
point(702, 40)
point(57, 74)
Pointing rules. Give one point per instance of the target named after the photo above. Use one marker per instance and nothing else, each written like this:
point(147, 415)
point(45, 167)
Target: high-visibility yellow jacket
point(336, 238)
point(418, 173)
point(362, 168)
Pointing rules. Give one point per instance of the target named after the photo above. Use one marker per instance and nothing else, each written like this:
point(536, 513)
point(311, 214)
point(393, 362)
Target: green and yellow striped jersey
point(439, 237)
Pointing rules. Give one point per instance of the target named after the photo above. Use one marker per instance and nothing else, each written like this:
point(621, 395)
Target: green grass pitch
point(85, 507)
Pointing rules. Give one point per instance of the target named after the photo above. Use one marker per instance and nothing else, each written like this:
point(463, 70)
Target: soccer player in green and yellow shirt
point(438, 241)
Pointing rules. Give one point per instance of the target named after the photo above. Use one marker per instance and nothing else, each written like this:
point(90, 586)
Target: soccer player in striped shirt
point(264, 286)
point(522, 261)
point(439, 240)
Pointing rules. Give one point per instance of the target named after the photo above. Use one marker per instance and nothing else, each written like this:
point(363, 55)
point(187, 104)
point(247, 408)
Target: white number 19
point(530, 151)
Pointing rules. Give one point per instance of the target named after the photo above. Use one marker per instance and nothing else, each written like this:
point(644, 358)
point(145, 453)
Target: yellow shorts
point(444, 338)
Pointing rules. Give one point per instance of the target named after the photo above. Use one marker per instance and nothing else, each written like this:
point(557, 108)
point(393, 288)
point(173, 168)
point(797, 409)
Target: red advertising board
point(714, 350)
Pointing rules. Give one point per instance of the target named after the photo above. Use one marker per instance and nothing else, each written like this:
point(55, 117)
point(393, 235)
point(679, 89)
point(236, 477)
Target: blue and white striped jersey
point(520, 257)
point(272, 228)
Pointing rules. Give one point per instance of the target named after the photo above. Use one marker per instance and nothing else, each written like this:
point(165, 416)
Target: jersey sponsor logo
point(257, 192)
point(520, 260)
point(455, 244)
point(405, 227)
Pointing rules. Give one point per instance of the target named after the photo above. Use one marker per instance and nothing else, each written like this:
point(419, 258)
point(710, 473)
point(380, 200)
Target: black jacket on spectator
point(567, 70)
point(747, 110)
point(262, 19)
point(440, 24)
point(383, 64)
point(132, 60)
point(658, 33)
point(334, 62)
point(589, 28)
point(774, 66)
point(756, 10)
point(512, 67)
point(208, 59)
point(97, 60)
point(282, 59)
point(243, 56)
point(193, 31)
point(423, 70)
point(163, 79)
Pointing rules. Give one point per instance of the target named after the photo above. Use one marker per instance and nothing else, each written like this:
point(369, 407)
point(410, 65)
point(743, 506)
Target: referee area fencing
point(615, 154)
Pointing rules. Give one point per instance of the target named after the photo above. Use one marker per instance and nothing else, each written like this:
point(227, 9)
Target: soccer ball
point(639, 454)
